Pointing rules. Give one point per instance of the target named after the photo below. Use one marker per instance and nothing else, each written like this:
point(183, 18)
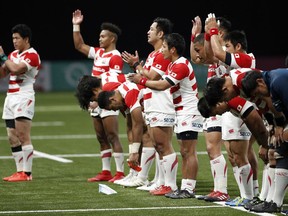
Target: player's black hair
point(103, 99)
point(175, 40)
point(163, 24)
point(23, 30)
point(84, 91)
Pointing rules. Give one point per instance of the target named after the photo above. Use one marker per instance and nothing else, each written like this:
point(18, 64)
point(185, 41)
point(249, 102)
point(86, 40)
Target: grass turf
point(61, 128)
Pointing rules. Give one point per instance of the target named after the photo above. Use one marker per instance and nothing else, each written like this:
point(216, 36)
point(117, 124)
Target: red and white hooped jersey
point(24, 82)
point(237, 75)
point(184, 90)
point(156, 61)
point(111, 80)
point(105, 61)
point(131, 94)
point(154, 100)
point(238, 60)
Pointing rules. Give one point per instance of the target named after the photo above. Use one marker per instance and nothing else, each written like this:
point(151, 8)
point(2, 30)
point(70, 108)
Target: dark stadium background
point(265, 24)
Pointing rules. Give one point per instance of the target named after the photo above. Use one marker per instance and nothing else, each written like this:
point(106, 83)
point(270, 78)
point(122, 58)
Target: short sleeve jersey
point(154, 100)
point(238, 60)
point(184, 90)
point(131, 94)
point(105, 61)
point(23, 83)
point(110, 80)
point(237, 75)
point(239, 105)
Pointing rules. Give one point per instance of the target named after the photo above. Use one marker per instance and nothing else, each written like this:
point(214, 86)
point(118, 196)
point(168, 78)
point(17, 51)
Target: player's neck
point(110, 48)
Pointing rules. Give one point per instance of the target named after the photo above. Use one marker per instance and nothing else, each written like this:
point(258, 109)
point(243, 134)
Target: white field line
point(108, 209)
point(44, 155)
point(59, 158)
point(55, 108)
point(51, 157)
point(79, 136)
point(69, 136)
point(131, 209)
point(38, 154)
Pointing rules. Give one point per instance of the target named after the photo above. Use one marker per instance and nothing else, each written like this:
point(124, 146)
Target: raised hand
point(210, 22)
point(77, 17)
point(130, 58)
point(197, 26)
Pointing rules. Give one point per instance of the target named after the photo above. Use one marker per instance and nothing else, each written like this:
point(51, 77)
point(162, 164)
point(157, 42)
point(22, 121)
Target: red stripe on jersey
point(13, 90)
point(174, 88)
point(96, 73)
point(125, 87)
point(177, 100)
point(147, 96)
point(13, 82)
point(191, 76)
point(239, 80)
point(194, 87)
point(121, 78)
point(110, 86)
point(131, 97)
point(179, 108)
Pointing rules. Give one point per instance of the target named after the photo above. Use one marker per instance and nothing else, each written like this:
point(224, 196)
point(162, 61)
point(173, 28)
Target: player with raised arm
point(234, 56)
point(106, 59)
point(212, 125)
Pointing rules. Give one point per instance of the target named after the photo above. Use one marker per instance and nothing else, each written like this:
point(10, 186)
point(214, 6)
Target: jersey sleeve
point(240, 105)
point(132, 99)
point(160, 64)
point(179, 72)
point(242, 60)
point(116, 64)
point(32, 60)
